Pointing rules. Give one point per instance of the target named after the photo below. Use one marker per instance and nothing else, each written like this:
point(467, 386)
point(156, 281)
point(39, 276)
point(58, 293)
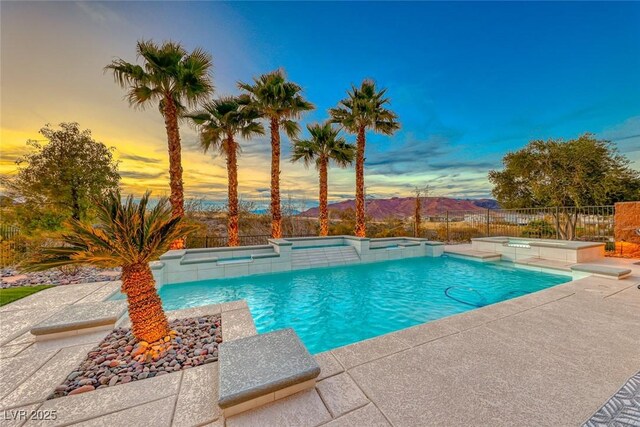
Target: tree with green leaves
point(128, 235)
point(281, 103)
point(219, 122)
point(565, 174)
point(174, 79)
point(66, 173)
point(364, 108)
point(323, 146)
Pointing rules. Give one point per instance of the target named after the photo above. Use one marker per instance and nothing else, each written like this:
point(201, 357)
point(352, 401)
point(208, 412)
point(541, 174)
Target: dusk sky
point(469, 81)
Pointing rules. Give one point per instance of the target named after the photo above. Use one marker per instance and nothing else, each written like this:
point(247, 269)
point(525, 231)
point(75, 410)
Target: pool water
point(332, 307)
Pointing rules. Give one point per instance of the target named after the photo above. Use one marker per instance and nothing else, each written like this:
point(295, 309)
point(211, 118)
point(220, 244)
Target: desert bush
point(539, 228)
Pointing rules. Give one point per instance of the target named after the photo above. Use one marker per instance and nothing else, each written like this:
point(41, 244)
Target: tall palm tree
point(280, 102)
point(219, 122)
point(364, 108)
point(174, 78)
point(323, 146)
point(128, 235)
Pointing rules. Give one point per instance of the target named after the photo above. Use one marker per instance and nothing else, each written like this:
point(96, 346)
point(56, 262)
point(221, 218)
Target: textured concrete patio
point(549, 358)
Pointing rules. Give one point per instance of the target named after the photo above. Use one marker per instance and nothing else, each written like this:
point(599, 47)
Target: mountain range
point(403, 207)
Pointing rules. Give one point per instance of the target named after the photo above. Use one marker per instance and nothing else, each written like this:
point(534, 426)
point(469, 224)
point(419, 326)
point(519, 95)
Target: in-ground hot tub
point(557, 250)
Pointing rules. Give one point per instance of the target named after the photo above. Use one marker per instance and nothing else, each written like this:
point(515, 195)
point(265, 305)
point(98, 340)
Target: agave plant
point(129, 235)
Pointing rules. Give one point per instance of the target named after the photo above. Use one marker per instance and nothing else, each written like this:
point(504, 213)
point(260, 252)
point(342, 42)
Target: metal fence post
point(447, 219)
point(487, 222)
point(557, 224)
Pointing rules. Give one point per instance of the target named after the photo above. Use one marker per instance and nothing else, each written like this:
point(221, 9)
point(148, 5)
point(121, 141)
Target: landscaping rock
point(10, 277)
point(120, 358)
point(82, 389)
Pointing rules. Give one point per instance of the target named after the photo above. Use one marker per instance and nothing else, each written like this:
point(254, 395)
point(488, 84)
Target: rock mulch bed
point(10, 277)
point(120, 358)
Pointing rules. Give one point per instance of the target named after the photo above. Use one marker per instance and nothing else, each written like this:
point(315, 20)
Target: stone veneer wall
point(626, 226)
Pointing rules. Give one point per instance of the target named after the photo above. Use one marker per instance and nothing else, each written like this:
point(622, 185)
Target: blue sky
point(469, 81)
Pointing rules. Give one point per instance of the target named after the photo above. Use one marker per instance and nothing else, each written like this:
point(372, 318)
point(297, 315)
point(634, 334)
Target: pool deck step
point(260, 369)
point(603, 270)
point(324, 257)
point(474, 255)
point(79, 319)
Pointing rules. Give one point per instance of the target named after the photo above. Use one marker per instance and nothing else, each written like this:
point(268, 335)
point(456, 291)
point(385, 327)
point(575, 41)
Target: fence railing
point(11, 246)
point(219, 241)
point(589, 223)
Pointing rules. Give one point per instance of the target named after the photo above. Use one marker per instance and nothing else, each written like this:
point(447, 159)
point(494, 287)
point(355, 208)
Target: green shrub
point(539, 228)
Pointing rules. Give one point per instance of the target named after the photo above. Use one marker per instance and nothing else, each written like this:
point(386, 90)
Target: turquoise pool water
point(332, 307)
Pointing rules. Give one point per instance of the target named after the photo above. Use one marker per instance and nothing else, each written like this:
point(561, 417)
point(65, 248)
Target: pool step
point(545, 263)
point(473, 254)
point(323, 257)
point(607, 271)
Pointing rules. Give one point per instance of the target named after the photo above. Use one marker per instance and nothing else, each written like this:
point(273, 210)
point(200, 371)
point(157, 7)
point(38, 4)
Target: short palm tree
point(280, 102)
point(363, 109)
point(174, 78)
point(129, 236)
point(219, 122)
point(323, 146)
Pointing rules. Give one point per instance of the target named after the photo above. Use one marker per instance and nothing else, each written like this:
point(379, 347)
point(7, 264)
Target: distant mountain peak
point(403, 207)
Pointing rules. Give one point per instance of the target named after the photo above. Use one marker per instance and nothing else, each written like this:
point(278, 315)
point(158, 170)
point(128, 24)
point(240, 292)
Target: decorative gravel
point(120, 358)
point(13, 278)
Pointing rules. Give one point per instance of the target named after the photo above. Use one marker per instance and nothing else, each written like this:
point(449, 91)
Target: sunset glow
point(53, 56)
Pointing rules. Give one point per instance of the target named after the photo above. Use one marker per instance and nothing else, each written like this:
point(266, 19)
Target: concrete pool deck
point(553, 357)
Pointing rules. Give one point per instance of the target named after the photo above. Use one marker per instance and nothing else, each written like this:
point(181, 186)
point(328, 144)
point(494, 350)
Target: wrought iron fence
point(12, 247)
point(219, 241)
point(589, 223)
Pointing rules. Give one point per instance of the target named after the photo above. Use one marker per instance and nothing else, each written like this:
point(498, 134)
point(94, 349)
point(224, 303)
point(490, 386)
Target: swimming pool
point(332, 307)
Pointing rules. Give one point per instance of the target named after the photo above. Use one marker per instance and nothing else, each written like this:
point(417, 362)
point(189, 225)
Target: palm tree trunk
point(145, 307)
point(175, 163)
point(361, 229)
point(276, 214)
point(232, 172)
point(324, 214)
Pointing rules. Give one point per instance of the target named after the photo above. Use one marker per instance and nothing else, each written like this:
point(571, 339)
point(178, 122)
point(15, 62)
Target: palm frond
point(291, 128)
point(325, 143)
point(167, 71)
point(365, 107)
point(275, 97)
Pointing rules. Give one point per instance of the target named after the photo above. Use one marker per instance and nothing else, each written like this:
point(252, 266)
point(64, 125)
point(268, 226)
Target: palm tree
point(174, 78)
point(281, 103)
point(128, 235)
point(363, 109)
point(323, 146)
point(219, 122)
